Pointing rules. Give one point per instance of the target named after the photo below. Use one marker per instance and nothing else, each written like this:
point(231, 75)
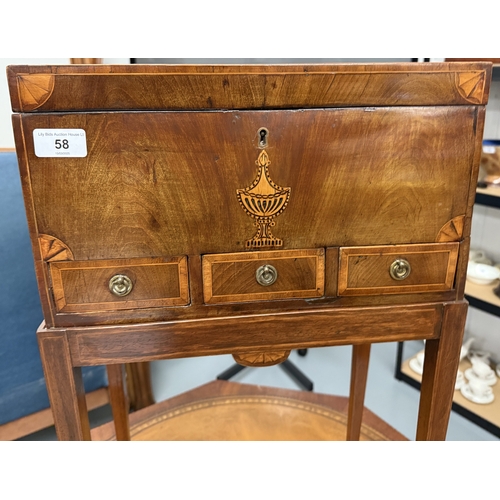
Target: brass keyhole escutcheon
point(263, 137)
point(120, 285)
point(400, 269)
point(266, 275)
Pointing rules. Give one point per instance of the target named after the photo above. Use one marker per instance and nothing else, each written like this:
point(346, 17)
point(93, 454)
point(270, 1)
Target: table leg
point(359, 374)
point(119, 401)
point(139, 388)
point(65, 387)
point(442, 357)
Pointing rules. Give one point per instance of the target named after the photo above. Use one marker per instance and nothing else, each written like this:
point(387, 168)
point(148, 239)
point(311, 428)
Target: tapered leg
point(442, 357)
point(359, 374)
point(140, 392)
point(65, 387)
point(119, 401)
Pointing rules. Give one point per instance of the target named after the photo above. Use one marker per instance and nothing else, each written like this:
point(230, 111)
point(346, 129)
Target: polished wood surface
point(206, 173)
point(250, 333)
point(226, 411)
point(442, 356)
point(232, 277)
point(119, 401)
point(100, 87)
point(65, 387)
point(139, 388)
point(359, 375)
point(85, 60)
point(201, 171)
point(206, 179)
point(84, 285)
point(365, 270)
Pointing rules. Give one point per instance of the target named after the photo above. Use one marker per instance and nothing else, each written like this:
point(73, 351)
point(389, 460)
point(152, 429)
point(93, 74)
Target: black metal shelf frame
point(487, 200)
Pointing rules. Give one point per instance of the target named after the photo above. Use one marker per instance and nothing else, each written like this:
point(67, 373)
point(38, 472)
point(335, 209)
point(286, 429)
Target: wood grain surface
point(232, 277)
point(252, 333)
point(163, 184)
point(442, 357)
point(359, 375)
point(155, 87)
point(371, 162)
point(80, 286)
point(365, 270)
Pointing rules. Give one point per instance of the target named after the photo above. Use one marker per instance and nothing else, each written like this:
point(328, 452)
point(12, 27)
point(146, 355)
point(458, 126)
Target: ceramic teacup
point(479, 256)
point(483, 356)
point(460, 381)
point(480, 389)
point(420, 358)
point(480, 368)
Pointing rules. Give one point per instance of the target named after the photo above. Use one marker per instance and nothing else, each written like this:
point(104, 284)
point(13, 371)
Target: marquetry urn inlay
point(263, 200)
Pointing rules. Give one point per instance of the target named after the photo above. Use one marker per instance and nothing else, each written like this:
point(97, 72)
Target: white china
point(481, 372)
point(477, 392)
point(482, 274)
point(417, 363)
point(466, 348)
point(482, 355)
point(479, 256)
point(460, 382)
point(482, 400)
point(481, 368)
point(489, 380)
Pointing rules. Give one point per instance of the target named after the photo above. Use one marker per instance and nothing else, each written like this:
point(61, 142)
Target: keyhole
point(263, 133)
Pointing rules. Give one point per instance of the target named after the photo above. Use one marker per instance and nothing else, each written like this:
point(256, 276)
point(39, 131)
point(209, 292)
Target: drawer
point(103, 285)
point(415, 268)
point(243, 277)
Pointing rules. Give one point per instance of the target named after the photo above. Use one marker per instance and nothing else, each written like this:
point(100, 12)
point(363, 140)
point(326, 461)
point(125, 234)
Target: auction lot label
point(60, 142)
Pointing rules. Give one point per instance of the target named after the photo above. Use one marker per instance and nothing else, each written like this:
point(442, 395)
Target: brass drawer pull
point(120, 285)
point(266, 275)
point(400, 269)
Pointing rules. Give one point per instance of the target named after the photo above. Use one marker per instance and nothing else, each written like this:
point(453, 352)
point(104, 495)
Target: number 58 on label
point(60, 142)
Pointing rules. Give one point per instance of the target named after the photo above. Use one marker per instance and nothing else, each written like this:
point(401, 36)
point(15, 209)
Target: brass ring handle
point(266, 275)
point(400, 269)
point(120, 285)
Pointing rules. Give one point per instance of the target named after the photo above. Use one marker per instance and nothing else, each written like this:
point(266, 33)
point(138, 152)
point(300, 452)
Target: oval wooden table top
point(228, 411)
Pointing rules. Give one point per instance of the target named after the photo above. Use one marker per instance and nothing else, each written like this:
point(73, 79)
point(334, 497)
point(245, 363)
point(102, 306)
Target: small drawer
point(110, 285)
point(244, 277)
point(397, 269)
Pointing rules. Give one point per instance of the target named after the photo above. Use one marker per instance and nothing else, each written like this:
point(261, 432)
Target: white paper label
point(60, 142)
point(489, 150)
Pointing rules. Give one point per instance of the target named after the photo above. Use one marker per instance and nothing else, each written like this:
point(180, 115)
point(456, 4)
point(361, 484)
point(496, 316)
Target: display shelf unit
point(489, 197)
point(486, 416)
point(480, 297)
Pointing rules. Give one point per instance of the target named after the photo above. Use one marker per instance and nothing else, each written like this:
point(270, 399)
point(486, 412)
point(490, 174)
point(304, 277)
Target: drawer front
point(103, 285)
point(415, 268)
point(243, 277)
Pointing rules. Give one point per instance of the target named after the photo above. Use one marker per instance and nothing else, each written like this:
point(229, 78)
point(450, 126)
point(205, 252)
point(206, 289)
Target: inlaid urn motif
point(263, 201)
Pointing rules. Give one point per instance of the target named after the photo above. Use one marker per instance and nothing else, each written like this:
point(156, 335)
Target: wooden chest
point(222, 201)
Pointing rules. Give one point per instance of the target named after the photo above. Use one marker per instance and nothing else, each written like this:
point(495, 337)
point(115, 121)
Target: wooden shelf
point(482, 297)
point(489, 196)
point(489, 414)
